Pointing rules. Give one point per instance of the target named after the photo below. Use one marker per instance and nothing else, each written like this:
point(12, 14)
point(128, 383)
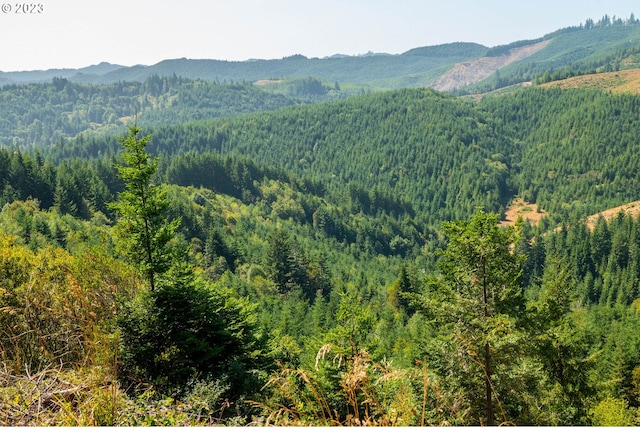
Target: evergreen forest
point(190, 252)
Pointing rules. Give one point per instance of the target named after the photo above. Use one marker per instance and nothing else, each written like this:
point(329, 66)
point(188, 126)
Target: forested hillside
point(609, 44)
point(41, 115)
point(302, 252)
point(427, 148)
point(572, 152)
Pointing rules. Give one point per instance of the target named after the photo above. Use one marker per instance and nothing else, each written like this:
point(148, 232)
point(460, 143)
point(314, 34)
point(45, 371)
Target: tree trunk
point(487, 382)
point(487, 353)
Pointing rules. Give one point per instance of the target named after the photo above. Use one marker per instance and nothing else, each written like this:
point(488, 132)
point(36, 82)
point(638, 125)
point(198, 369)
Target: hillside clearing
point(267, 82)
point(467, 73)
point(520, 208)
point(632, 209)
point(533, 214)
point(625, 81)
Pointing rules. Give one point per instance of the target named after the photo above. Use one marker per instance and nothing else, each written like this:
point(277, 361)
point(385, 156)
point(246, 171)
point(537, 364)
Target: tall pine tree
point(143, 225)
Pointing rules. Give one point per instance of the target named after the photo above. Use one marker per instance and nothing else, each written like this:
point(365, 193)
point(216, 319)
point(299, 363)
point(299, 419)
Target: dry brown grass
point(358, 392)
point(625, 81)
point(519, 208)
point(632, 209)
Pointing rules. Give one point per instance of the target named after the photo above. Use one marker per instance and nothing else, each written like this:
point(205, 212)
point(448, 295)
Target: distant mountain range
point(604, 45)
point(356, 69)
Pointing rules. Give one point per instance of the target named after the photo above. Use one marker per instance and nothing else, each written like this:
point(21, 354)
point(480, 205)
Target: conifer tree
point(143, 225)
point(477, 300)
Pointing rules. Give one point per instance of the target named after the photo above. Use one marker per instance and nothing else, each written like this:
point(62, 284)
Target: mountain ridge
point(106, 72)
point(466, 66)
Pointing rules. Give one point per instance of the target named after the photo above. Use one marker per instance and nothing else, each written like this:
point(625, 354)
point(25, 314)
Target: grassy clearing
point(625, 81)
point(520, 208)
point(632, 209)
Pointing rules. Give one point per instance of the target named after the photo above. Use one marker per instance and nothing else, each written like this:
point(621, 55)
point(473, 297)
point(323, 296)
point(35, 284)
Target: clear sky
point(78, 33)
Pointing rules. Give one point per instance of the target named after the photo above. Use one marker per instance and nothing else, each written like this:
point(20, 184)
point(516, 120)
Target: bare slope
point(632, 209)
point(467, 73)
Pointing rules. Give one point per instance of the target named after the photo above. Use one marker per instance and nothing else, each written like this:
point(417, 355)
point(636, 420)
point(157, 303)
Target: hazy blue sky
point(78, 33)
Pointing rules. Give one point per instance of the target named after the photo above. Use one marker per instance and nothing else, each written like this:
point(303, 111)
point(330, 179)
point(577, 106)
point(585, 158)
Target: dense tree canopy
point(336, 255)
